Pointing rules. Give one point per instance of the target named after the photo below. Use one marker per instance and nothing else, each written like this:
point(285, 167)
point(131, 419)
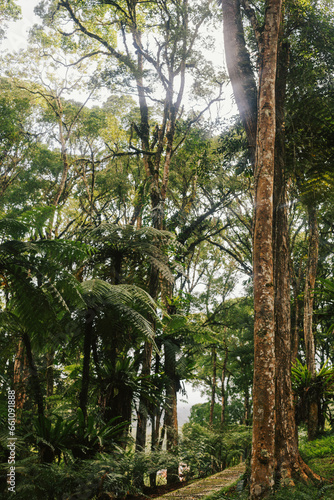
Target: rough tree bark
point(286, 443)
point(272, 329)
point(263, 444)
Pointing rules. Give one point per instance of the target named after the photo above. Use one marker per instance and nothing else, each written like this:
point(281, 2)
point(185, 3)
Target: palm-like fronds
point(119, 243)
point(302, 379)
point(310, 388)
point(127, 303)
point(12, 227)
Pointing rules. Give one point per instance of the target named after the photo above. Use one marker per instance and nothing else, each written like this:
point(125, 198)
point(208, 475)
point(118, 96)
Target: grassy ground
point(319, 455)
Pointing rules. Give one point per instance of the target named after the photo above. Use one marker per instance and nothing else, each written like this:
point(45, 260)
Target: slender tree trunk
point(34, 375)
point(296, 301)
point(158, 190)
point(21, 375)
point(146, 371)
point(214, 384)
point(155, 419)
point(263, 451)
point(143, 402)
point(223, 397)
point(246, 407)
point(171, 422)
point(311, 273)
point(64, 156)
point(83, 396)
point(286, 444)
point(49, 372)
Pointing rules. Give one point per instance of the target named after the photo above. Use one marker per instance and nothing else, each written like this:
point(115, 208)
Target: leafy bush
point(318, 454)
point(206, 451)
point(323, 447)
point(118, 474)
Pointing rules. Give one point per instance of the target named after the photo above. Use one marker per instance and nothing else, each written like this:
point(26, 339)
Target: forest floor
point(318, 454)
point(203, 487)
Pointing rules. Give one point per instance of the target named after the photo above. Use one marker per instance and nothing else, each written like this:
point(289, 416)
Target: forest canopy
point(149, 241)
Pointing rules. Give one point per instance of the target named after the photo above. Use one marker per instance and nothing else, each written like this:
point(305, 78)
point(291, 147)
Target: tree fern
point(132, 245)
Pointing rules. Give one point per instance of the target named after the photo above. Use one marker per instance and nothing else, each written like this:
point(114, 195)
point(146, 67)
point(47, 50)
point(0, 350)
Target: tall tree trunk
point(21, 375)
point(223, 396)
point(49, 371)
point(171, 408)
point(34, 375)
point(286, 445)
point(143, 409)
point(311, 273)
point(240, 71)
point(296, 301)
point(146, 371)
point(83, 396)
point(267, 432)
point(246, 407)
point(263, 447)
point(214, 384)
point(152, 163)
point(288, 463)
point(155, 419)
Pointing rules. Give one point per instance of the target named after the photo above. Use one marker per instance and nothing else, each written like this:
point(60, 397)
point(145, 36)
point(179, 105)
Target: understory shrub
point(206, 451)
point(118, 474)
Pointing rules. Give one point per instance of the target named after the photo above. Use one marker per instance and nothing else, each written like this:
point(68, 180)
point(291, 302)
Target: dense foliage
point(126, 225)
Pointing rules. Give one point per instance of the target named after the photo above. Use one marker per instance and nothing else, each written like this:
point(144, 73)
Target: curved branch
point(120, 57)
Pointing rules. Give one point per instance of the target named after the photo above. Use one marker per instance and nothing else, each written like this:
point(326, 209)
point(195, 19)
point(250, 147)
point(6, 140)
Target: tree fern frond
point(162, 268)
point(12, 227)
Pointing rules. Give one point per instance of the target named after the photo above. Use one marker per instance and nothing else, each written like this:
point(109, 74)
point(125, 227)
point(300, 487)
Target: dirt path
point(203, 487)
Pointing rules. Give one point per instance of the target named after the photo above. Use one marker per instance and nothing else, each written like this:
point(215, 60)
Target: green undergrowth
point(318, 454)
point(299, 492)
